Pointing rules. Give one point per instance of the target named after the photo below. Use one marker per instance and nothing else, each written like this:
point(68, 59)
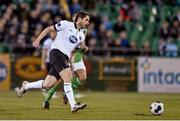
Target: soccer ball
point(157, 108)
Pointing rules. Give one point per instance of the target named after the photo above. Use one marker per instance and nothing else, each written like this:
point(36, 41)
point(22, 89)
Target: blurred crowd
point(169, 33)
point(21, 21)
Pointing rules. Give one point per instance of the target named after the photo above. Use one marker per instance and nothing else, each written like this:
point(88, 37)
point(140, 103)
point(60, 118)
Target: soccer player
point(79, 71)
point(68, 38)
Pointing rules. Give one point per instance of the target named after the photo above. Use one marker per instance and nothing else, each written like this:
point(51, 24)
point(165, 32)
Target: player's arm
point(45, 32)
point(83, 46)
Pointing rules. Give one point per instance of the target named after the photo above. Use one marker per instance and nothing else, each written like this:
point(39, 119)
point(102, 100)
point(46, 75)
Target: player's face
point(85, 21)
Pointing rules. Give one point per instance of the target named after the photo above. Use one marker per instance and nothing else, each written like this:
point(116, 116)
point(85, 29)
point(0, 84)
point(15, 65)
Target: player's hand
point(36, 43)
point(85, 49)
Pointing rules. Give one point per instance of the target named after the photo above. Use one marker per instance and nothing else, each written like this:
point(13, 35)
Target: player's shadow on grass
point(142, 114)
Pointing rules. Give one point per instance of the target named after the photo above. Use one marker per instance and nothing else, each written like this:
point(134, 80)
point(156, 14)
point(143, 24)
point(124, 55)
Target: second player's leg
point(51, 91)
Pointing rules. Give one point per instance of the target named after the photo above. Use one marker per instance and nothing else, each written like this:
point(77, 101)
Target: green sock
point(51, 92)
point(75, 84)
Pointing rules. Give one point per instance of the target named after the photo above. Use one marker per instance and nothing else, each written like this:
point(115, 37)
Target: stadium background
point(134, 46)
point(120, 32)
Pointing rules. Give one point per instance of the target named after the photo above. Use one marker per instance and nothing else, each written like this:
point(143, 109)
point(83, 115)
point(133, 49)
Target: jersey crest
point(73, 39)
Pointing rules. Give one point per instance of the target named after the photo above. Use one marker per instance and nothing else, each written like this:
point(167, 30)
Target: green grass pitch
point(101, 106)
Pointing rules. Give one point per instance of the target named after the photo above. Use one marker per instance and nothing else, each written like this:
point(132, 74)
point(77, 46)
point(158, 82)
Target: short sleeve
point(45, 45)
point(61, 25)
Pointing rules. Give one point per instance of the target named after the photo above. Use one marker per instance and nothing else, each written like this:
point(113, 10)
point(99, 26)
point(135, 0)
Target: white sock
point(34, 85)
point(69, 93)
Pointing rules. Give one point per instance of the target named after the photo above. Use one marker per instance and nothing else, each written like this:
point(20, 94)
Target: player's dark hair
point(80, 14)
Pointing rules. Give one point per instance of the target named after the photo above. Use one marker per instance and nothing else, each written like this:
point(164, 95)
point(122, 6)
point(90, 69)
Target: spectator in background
point(119, 25)
point(37, 31)
point(134, 12)
point(49, 5)
point(45, 18)
point(62, 14)
point(14, 13)
point(14, 22)
point(23, 10)
point(92, 43)
point(175, 29)
point(164, 32)
point(134, 49)
point(33, 20)
point(8, 14)
point(91, 31)
point(146, 48)
point(101, 33)
point(124, 42)
point(24, 33)
point(121, 42)
point(23, 38)
point(11, 37)
point(133, 45)
point(91, 36)
point(108, 40)
point(161, 47)
point(116, 46)
point(96, 19)
point(178, 16)
point(107, 23)
point(171, 49)
point(75, 6)
point(124, 12)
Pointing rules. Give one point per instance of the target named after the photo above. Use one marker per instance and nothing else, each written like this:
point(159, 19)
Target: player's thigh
point(66, 75)
point(81, 73)
point(80, 70)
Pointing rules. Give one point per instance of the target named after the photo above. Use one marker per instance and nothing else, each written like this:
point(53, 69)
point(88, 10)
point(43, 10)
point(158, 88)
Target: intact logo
point(3, 71)
point(73, 39)
point(162, 77)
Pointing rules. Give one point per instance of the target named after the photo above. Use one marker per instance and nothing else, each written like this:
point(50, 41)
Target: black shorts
point(59, 61)
point(48, 66)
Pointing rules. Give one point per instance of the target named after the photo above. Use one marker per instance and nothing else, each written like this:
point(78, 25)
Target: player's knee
point(46, 86)
point(82, 77)
point(49, 82)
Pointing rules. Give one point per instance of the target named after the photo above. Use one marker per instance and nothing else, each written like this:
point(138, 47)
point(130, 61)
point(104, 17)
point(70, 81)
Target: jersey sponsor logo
point(80, 37)
point(73, 39)
point(3, 71)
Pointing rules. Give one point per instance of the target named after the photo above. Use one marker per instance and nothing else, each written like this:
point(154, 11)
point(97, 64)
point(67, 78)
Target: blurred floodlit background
point(134, 45)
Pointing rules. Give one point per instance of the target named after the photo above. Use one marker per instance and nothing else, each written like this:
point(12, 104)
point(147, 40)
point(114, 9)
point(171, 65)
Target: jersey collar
point(75, 25)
